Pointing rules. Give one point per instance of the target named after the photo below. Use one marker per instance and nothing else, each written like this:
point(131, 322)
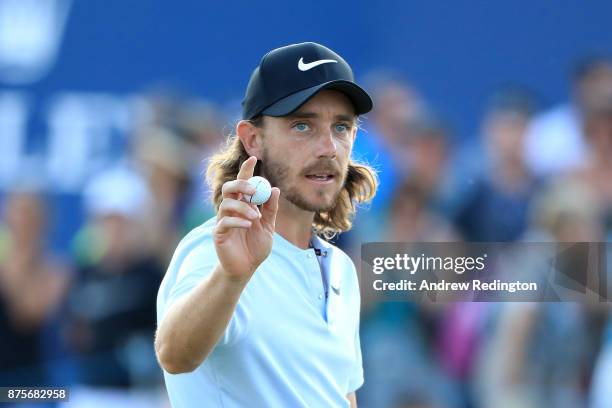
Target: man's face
point(306, 154)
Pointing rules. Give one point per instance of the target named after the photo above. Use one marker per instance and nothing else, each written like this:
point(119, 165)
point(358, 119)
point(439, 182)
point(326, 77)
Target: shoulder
point(194, 255)
point(563, 117)
point(196, 244)
point(342, 256)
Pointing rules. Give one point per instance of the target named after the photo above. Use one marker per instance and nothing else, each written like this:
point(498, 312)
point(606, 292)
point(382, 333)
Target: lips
point(320, 177)
point(322, 173)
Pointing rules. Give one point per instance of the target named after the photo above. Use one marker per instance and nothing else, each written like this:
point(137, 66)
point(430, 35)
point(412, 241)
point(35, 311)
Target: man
point(555, 142)
point(256, 310)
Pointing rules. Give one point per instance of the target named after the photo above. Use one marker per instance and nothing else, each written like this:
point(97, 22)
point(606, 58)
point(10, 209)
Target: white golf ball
point(263, 193)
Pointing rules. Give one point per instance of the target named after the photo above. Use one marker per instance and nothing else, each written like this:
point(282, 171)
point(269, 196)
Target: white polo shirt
point(285, 345)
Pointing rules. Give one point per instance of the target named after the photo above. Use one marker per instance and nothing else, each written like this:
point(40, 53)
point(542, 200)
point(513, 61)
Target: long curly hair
point(359, 187)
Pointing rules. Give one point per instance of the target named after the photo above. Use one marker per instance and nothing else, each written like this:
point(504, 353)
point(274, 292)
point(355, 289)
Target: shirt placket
point(315, 279)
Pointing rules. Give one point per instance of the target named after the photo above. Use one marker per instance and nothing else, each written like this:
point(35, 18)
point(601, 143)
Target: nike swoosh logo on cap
point(305, 66)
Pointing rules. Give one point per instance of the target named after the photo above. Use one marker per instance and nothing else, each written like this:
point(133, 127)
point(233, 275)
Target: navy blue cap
point(289, 76)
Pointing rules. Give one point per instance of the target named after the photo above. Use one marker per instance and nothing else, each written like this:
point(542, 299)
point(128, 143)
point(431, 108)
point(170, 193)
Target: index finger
point(247, 168)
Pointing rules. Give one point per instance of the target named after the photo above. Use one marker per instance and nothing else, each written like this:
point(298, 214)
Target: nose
point(327, 145)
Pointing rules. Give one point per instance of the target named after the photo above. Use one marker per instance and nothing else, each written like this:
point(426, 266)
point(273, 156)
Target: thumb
point(270, 208)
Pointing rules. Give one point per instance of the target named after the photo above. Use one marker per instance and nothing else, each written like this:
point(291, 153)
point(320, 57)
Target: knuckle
point(240, 185)
point(226, 203)
point(226, 187)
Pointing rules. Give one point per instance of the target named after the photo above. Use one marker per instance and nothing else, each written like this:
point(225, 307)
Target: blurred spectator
point(112, 302)
point(201, 125)
point(174, 136)
point(32, 285)
point(419, 160)
point(505, 187)
point(458, 340)
point(596, 174)
point(399, 365)
point(496, 209)
point(537, 354)
point(555, 141)
point(198, 123)
point(430, 164)
point(410, 219)
point(566, 211)
point(386, 134)
point(601, 392)
point(384, 143)
point(163, 158)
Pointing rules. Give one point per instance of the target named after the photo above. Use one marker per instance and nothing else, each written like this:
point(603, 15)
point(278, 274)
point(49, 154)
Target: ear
point(250, 138)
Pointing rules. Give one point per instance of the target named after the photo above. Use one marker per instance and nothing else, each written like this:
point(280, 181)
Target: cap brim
point(360, 98)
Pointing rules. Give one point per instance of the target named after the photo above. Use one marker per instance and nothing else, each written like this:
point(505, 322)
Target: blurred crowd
point(84, 316)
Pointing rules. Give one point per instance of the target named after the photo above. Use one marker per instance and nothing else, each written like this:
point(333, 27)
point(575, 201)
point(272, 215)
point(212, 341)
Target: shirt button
point(320, 297)
point(309, 255)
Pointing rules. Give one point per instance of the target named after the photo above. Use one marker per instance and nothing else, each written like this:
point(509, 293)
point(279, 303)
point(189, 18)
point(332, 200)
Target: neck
point(294, 224)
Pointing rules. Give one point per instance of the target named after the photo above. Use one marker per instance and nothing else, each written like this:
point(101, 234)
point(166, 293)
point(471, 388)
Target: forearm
point(32, 297)
point(194, 324)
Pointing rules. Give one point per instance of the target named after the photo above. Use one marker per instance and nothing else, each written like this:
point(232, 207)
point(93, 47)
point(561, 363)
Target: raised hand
point(243, 234)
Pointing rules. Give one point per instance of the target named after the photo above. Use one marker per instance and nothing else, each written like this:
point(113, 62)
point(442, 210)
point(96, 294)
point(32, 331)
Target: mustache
point(323, 167)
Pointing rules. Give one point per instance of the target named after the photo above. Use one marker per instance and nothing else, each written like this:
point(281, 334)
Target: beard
point(277, 172)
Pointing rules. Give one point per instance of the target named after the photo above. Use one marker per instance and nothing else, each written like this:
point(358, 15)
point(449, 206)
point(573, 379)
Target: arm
point(31, 293)
point(517, 328)
point(193, 325)
point(352, 399)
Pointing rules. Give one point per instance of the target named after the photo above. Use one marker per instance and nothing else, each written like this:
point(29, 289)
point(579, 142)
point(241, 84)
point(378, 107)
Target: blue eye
point(301, 127)
point(341, 128)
